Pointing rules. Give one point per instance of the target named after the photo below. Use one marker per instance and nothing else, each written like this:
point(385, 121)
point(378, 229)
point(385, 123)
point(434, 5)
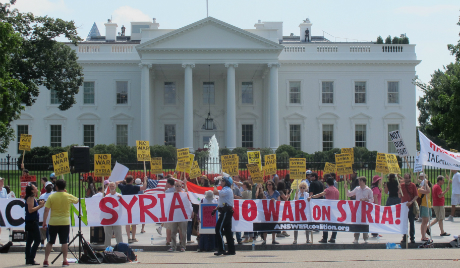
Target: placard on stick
point(156, 165)
point(399, 143)
point(61, 164)
point(25, 142)
point(343, 163)
point(297, 168)
point(418, 167)
point(329, 168)
point(102, 165)
point(143, 150)
point(350, 152)
point(270, 164)
point(254, 157)
point(256, 174)
point(183, 155)
point(25, 180)
point(195, 171)
point(381, 165)
point(393, 165)
point(230, 164)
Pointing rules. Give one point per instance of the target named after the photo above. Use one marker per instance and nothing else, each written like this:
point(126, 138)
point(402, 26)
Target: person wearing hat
point(308, 178)
point(224, 223)
point(377, 193)
point(207, 242)
point(53, 181)
point(48, 191)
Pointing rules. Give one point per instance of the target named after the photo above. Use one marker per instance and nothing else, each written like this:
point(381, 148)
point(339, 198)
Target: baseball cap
point(308, 172)
point(48, 183)
point(421, 174)
point(52, 175)
point(138, 181)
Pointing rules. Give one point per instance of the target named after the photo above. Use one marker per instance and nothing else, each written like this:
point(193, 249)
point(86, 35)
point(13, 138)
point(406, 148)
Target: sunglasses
point(303, 188)
point(177, 186)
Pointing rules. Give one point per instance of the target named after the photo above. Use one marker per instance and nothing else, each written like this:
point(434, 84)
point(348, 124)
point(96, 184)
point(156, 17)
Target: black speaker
point(79, 159)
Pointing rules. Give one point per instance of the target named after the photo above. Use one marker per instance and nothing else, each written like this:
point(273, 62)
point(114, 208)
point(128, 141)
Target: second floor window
point(327, 92)
point(294, 92)
point(122, 92)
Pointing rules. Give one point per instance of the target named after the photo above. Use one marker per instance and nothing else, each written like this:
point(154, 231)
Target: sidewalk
point(343, 241)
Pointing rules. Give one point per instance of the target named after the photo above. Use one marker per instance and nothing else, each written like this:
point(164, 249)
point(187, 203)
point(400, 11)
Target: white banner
point(433, 155)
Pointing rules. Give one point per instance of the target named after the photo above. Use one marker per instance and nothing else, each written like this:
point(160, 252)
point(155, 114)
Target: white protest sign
point(433, 155)
point(417, 166)
point(399, 143)
point(119, 172)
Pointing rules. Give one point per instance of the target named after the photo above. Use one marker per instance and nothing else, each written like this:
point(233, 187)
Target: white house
point(261, 88)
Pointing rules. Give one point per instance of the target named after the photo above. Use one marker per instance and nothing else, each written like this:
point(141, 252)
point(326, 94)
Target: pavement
point(343, 241)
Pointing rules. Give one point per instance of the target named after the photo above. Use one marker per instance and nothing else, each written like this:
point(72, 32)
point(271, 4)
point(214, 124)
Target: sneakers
point(170, 250)
point(65, 263)
point(182, 249)
point(366, 242)
point(331, 241)
point(280, 235)
point(450, 218)
point(45, 264)
point(355, 241)
point(159, 230)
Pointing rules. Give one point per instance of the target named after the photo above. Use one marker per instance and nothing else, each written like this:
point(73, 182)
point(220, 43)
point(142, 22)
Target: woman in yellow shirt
point(424, 193)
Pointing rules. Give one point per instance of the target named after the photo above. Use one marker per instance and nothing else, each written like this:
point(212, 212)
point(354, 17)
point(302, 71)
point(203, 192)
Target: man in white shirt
point(3, 193)
point(362, 193)
point(113, 229)
point(455, 198)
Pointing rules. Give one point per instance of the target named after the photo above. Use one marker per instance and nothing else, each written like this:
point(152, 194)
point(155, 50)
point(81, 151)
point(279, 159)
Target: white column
point(145, 97)
point(188, 106)
point(273, 107)
point(230, 130)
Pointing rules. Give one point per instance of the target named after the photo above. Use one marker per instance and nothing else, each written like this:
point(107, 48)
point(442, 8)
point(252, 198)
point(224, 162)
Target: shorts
point(425, 212)
point(440, 212)
point(62, 230)
point(455, 200)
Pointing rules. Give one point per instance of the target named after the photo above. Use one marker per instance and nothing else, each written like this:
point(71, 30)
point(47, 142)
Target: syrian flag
point(196, 193)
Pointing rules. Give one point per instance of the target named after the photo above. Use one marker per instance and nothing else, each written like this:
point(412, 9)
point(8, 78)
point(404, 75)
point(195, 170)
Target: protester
point(287, 184)
point(169, 188)
point(410, 196)
point(3, 192)
point(138, 182)
point(224, 223)
point(377, 194)
point(316, 187)
point(301, 194)
point(31, 223)
point(273, 195)
point(237, 194)
point(130, 189)
point(455, 198)
point(307, 178)
point(424, 192)
point(354, 182)
point(91, 190)
point(392, 189)
point(59, 223)
point(48, 191)
point(438, 206)
point(361, 193)
point(100, 192)
point(110, 230)
point(53, 180)
point(331, 193)
point(247, 194)
point(10, 193)
point(283, 197)
point(207, 242)
point(43, 180)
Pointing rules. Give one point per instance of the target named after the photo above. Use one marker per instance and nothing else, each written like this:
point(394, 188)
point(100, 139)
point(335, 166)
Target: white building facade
point(261, 88)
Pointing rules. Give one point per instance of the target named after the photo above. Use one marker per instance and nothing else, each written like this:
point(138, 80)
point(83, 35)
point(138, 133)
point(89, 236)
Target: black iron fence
point(10, 171)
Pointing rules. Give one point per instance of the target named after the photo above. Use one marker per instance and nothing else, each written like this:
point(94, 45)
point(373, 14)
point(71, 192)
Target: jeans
point(238, 237)
point(33, 236)
point(189, 230)
point(411, 217)
point(333, 237)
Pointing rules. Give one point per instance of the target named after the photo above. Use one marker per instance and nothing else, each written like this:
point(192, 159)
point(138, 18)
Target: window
point(360, 136)
point(206, 140)
point(294, 136)
point(54, 97)
point(88, 135)
point(327, 92)
point(247, 96)
point(88, 93)
point(122, 134)
point(247, 138)
point(208, 92)
point(122, 92)
point(294, 92)
point(391, 146)
point(360, 92)
point(328, 137)
point(22, 129)
point(170, 93)
point(393, 92)
point(56, 136)
point(170, 135)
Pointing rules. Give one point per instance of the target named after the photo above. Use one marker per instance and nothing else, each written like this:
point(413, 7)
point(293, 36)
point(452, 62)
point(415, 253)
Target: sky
point(431, 25)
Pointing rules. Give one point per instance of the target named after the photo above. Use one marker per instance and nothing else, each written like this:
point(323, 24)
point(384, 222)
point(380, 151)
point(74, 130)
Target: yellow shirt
point(424, 200)
point(60, 203)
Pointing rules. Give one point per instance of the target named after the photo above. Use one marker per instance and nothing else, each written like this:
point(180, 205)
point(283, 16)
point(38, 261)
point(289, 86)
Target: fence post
point(8, 164)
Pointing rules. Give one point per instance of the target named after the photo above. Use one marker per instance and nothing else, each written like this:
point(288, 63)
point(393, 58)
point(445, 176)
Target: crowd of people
point(421, 197)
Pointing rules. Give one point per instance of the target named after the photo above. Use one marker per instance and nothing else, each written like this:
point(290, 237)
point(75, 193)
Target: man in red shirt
point(409, 195)
point(438, 205)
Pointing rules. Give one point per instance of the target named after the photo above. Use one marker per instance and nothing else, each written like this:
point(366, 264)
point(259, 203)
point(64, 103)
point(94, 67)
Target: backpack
point(127, 250)
point(87, 259)
point(115, 257)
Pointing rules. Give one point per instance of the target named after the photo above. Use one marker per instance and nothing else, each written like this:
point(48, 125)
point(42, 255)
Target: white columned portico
point(273, 106)
point(188, 106)
point(145, 97)
point(230, 131)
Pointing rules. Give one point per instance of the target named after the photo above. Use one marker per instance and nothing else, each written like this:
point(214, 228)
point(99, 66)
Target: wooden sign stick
point(103, 186)
point(23, 154)
point(408, 165)
point(145, 170)
point(381, 185)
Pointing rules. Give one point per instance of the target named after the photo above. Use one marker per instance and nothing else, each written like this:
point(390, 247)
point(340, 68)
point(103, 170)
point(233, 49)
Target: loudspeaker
point(79, 159)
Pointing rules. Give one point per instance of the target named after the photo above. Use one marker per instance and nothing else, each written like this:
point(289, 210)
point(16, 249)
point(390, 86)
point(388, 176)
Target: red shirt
point(43, 190)
point(332, 193)
point(438, 202)
point(409, 192)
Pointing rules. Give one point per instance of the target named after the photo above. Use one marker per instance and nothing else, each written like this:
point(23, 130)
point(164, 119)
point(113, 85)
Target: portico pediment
point(209, 34)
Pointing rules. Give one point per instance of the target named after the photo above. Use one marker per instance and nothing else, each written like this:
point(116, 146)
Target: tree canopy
point(440, 106)
point(31, 57)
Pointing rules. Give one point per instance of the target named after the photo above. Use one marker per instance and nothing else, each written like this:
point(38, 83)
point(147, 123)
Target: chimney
point(110, 31)
point(154, 25)
point(306, 24)
point(259, 25)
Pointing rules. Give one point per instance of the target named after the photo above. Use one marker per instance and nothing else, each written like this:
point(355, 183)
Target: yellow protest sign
point(195, 170)
point(102, 165)
point(256, 174)
point(185, 165)
point(61, 164)
point(295, 184)
point(143, 150)
point(189, 164)
point(270, 164)
point(381, 165)
point(329, 168)
point(343, 164)
point(25, 142)
point(350, 152)
point(297, 168)
point(230, 164)
point(393, 165)
point(183, 155)
point(254, 157)
point(156, 165)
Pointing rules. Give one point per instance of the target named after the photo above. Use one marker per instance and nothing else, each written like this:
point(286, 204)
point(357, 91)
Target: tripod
point(79, 235)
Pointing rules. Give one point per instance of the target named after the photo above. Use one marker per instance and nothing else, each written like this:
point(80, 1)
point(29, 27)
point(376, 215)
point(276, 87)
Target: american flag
point(159, 187)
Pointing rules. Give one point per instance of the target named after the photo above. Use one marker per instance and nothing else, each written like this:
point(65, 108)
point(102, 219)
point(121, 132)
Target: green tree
point(440, 106)
point(388, 40)
point(30, 58)
point(379, 40)
point(395, 40)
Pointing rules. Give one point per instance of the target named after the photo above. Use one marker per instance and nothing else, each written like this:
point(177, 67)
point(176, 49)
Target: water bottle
point(253, 245)
point(151, 240)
